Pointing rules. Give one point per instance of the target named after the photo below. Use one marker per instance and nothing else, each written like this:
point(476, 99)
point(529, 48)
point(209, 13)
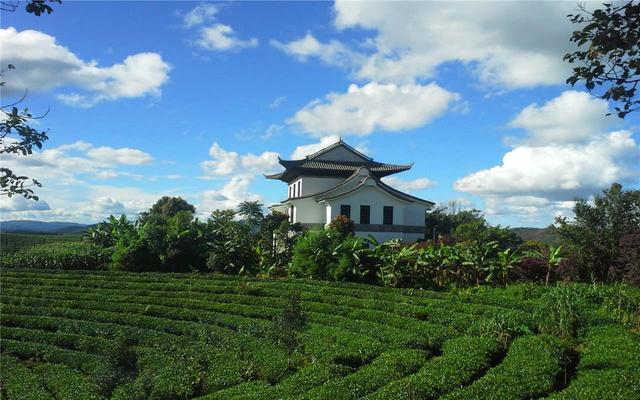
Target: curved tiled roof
point(311, 165)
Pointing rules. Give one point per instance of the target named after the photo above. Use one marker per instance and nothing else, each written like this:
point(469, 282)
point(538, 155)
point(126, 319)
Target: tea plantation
point(99, 335)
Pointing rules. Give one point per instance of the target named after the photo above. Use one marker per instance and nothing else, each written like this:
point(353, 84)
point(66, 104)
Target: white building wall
point(414, 214)
point(308, 211)
point(314, 184)
point(373, 197)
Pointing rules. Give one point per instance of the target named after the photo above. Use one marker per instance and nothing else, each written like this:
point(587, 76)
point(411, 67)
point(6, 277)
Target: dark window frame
point(365, 214)
point(387, 215)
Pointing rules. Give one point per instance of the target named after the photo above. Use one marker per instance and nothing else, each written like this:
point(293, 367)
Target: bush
point(136, 256)
point(327, 255)
point(60, 256)
point(530, 370)
point(530, 269)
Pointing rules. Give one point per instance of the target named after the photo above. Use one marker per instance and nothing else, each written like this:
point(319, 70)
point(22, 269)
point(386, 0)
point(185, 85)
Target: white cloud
point(362, 110)
point(567, 153)
point(63, 164)
point(408, 186)
point(19, 203)
point(558, 171)
point(200, 14)
point(332, 53)
point(304, 150)
point(569, 118)
point(225, 163)
point(277, 102)
point(43, 64)
point(124, 156)
point(513, 44)
point(235, 191)
point(220, 37)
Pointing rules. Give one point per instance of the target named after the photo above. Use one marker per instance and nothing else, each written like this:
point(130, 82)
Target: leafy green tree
point(611, 58)
point(230, 245)
point(594, 237)
point(166, 206)
point(107, 233)
point(251, 213)
point(276, 238)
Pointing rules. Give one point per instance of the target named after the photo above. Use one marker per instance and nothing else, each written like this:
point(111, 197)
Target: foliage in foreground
point(107, 334)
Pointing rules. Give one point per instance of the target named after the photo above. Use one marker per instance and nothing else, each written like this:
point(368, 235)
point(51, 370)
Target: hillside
point(544, 235)
point(27, 226)
point(96, 335)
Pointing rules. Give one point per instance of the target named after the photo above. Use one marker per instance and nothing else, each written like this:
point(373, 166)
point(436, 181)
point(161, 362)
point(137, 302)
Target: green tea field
point(15, 241)
point(99, 335)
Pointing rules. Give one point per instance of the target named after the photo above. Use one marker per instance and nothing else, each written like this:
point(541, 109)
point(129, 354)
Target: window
point(365, 214)
point(387, 215)
point(299, 188)
point(345, 210)
point(290, 187)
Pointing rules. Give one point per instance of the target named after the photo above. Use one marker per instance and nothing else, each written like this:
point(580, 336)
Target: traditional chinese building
point(339, 180)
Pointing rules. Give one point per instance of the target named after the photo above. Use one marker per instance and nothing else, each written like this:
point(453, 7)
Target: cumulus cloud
point(559, 159)
point(225, 163)
point(43, 64)
point(304, 150)
point(331, 53)
point(232, 193)
point(200, 14)
point(569, 118)
point(221, 37)
point(19, 203)
point(63, 164)
point(124, 156)
point(364, 109)
point(514, 45)
point(408, 185)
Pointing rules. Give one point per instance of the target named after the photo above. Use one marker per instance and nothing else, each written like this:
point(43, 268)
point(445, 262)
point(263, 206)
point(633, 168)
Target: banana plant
point(506, 261)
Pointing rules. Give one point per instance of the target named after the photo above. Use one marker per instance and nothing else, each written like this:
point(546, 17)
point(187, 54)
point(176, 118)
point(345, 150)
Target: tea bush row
point(462, 359)
point(609, 366)
point(59, 256)
point(530, 369)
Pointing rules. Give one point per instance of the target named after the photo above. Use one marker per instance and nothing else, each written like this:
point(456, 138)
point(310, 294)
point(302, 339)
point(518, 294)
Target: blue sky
point(199, 99)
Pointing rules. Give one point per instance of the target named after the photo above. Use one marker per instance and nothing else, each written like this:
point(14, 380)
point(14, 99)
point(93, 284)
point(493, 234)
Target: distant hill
point(26, 226)
point(544, 235)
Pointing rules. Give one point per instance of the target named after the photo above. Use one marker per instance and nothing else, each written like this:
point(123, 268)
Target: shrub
point(530, 370)
point(329, 256)
point(136, 256)
point(530, 269)
point(462, 359)
point(59, 256)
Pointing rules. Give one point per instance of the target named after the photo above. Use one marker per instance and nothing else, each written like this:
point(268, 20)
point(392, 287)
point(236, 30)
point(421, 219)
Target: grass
point(101, 334)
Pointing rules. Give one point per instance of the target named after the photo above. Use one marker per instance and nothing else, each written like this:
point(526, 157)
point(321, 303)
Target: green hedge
point(462, 359)
point(530, 369)
point(59, 256)
point(21, 383)
point(68, 384)
point(387, 367)
point(609, 367)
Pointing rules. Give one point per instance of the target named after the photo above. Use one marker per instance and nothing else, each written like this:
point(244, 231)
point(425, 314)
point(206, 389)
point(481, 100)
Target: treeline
point(601, 243)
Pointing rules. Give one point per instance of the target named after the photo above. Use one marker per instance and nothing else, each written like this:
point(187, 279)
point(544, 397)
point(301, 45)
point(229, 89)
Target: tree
point(612, 58)
point(16, 136)
point(599, 227)
point(165, 207)
point(251, 213)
